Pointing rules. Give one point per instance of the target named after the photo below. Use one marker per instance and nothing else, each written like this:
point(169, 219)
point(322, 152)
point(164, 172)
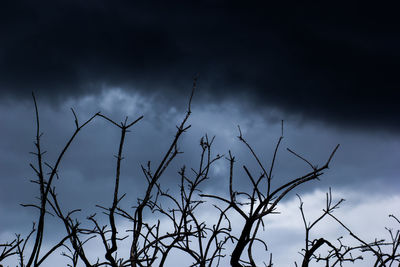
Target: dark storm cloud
point(335, 63)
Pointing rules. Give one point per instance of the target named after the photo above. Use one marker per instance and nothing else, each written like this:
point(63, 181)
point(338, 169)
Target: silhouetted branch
point(179, 225)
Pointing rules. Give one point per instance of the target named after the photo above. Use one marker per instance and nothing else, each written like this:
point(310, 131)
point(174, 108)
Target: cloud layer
point(332, 63)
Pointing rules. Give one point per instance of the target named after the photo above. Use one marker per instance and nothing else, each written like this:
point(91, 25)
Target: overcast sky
point(329, 71)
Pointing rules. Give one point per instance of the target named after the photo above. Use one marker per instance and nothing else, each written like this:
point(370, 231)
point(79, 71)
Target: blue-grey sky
point(328, 70)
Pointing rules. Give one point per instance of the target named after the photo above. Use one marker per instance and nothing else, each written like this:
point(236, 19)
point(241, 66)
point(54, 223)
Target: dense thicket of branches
point(205, 243)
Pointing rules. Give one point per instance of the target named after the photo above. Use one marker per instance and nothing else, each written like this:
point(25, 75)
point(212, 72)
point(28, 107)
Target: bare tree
point(205, 243)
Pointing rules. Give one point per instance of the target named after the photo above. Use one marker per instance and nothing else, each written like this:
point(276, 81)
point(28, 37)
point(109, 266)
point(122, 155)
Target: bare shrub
point(204, 242)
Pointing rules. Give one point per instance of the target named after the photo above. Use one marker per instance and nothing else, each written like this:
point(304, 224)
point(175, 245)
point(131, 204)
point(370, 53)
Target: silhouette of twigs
point(164, 222)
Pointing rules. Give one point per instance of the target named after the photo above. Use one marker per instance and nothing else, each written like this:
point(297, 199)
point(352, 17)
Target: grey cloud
point(332, 63)
point(364, 161)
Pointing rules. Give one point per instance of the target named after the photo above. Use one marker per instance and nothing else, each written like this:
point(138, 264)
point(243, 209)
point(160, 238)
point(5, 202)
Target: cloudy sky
point(330, 71)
